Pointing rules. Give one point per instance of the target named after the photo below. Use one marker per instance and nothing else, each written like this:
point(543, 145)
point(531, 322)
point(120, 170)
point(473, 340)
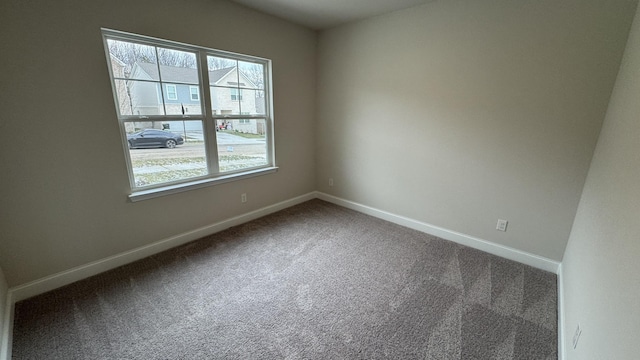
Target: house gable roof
point(216, 75)
point(181, 74)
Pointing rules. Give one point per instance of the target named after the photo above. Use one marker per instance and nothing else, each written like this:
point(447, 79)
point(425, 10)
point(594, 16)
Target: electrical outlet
point(576, 336)
point(502, 225)
point(330, 181)
point(243, 198)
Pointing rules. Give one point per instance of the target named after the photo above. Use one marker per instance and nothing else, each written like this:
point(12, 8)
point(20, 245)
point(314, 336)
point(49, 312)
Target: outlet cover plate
point(502, 225)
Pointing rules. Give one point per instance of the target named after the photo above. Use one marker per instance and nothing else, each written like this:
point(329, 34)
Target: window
point(172, 135)
point(172, 93)
point(194, 93)
point(236, 94)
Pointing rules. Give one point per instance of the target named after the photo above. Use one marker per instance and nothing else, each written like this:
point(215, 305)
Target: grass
point(167, 161)
point(244, 135)
point(227, 163)
point(224, 158)
point(236, 162)
point(167, 176)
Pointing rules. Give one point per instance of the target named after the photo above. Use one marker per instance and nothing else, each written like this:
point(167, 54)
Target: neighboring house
point(232, 93)
point(119, 70)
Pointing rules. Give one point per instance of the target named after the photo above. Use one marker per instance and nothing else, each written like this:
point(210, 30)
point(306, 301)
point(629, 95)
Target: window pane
point(178, 66)
point(177, 97)
point(220, 69)
point(236, 94)
point(133, 61)
point(253, 73)
point(166, 151)
point(171, 92)
point(242, 144)
point(194, 93)
point(139, 97)
point(224, 101)
point(251, 103)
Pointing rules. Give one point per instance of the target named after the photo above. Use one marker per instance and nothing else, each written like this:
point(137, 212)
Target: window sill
point(192, 185)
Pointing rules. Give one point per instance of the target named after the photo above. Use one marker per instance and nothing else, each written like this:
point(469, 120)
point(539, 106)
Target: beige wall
point(601, 265)
point(64, 182)
point(457, 113)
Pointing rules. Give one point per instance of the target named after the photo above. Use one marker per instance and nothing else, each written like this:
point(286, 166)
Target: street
point(227, 144)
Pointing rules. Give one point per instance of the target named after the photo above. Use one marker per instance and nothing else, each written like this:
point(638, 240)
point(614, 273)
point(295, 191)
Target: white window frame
point(237, 93)
point(208, 119)
point(196, 93)
point(174, 93)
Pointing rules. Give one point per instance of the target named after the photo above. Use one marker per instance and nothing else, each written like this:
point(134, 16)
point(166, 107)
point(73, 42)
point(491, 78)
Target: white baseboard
point(63, 278)
point(492, 248)
point(7, 329)
point(561, 350)
point(55, 281)
point(463, 239)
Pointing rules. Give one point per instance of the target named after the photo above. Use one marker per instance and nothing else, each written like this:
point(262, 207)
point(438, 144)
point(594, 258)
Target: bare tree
point(217, 63)
point(254, 72)
point(130, 53)
point(177, 58)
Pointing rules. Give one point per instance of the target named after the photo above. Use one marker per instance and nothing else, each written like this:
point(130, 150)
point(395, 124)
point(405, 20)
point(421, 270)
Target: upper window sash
point(203, 95)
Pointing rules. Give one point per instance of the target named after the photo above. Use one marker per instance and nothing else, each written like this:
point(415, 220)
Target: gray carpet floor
point(314, 281)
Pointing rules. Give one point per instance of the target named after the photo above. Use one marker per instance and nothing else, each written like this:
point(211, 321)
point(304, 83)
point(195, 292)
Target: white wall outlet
point(502, 225)
point(330, 181)
point(576, 336)
point(243, 198)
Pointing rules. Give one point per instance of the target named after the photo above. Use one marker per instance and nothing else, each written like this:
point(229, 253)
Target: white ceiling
point(323, 14)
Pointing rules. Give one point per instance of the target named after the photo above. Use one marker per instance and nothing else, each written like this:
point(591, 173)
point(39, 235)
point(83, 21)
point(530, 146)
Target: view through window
point(174, 135)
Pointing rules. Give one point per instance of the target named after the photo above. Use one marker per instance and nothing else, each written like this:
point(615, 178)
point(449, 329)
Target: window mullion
point(128, 159)
point(209, 123)
point(268, 111)
point(164, 104)
point(238, 91)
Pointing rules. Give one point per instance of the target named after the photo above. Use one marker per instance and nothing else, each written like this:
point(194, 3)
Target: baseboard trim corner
point(463, 239)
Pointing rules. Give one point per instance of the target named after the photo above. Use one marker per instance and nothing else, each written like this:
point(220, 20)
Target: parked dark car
point(154, 138)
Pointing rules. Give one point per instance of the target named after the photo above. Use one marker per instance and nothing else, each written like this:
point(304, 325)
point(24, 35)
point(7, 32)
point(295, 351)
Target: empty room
point(328, 179)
